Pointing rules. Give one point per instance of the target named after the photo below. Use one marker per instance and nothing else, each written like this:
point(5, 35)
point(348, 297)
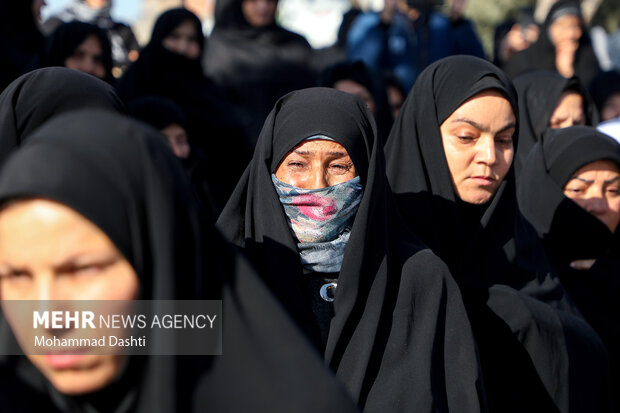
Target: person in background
point(80, 46)
point(170, 67)
point(449, 164)
point(21, 42)
point(356, 78)
point(605, 91)
point(396, 93)
point(254, 60)
point(513, 36)
point(404, 38)
point(549, 100)
point(563, 46)
point(569, 190)
point(125, 47)
point(168, 118)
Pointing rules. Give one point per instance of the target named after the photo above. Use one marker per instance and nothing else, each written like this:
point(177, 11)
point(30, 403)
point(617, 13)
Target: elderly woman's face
point(184, 40)
point(316, 164)
point(50, 252)
point(568, 112)
point(477, 141)
point(596, 188)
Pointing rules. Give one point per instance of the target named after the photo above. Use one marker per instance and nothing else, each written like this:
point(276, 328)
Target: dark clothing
point(64, 41)
point(211, 123)
point(604, 85)
point(571, 233)
point(21, 42)
point(399, 339)
point(372, 81)
point(539, 94)
point(122, 38)
point(404, 47)
point(120, 175)
point(44, 93)
point(255, 66)
point(541, 55)
point(536, 353)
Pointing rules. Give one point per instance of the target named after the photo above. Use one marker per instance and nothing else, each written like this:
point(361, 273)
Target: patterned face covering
point(320, 215)
point(321, 220)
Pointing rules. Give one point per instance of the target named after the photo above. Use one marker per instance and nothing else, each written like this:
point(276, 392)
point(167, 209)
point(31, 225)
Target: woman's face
point(177, 137)
point(357, 89)
point(88, 58)
point(259, 13)
point(596, 188)
point(611, 107)
point(568, 112)
point(184, 40)
point(50, 252)
point(565, 29)
point(316, 164)
point(477, 141)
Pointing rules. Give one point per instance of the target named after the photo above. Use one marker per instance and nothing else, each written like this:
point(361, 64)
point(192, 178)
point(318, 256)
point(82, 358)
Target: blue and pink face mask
point(320, 215)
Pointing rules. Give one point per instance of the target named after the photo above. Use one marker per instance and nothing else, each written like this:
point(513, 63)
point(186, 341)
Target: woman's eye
point(465, 139)
point(573, 190)
point(340, 168)
point(613, 190)
point(15, 275)
point(504, 141)
point(295, 164)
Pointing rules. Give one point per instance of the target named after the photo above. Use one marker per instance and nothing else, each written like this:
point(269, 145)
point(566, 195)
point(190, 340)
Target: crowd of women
point(450, 248)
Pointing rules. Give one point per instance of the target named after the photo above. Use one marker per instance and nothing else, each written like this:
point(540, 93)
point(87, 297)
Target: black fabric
point(212, 124)
point(44, 93)
point(63, 42)
point(541, 54)
point(255, 66)
point(539, 94)
point(360, 73)
point(536, 355)
point(400, 339)
point(570, 233)
point(604, 85)
point(120, 175)
point(158, 112)
point(20, 40)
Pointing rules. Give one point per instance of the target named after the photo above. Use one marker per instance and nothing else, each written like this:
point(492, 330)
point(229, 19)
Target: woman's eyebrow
point(482, 127)
point(609, 181)
point(586, 181)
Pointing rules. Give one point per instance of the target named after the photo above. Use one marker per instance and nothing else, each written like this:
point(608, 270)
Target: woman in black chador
point(563, 46)
point(95, 206)
point(80, 46)
point(314, 212)
point(170, 66)
point(548, 100)
point(37, 96)
point(21, 42)
point(449, 163)
point(255, 60)
point(569, 190)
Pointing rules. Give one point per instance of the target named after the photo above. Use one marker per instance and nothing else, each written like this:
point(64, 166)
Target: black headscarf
point(516, 305)
point(571, 233)
point(255, 66)
point(63, 42)
point(158, 112)
point(603, 86)
point(20, 40)
point(541, 55)
point(212, 124)
point(539, 94)
point(120, 175)
point(399, 340)
point(42, 94)
point(360, 73)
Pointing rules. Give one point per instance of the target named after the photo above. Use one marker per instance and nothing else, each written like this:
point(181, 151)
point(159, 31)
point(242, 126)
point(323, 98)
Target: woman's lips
point(65, 359)
point(483, 180)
